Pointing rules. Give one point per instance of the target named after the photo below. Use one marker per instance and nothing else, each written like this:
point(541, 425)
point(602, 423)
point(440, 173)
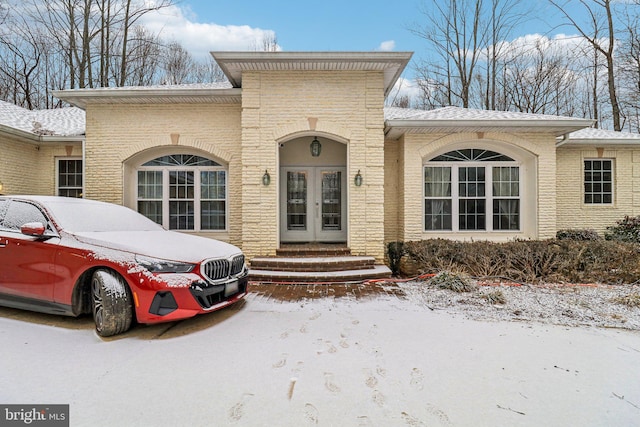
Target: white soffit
point(392, 64)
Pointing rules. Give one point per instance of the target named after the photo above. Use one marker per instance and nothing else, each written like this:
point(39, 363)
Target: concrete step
point(317, 250)
point(311, 264)
point(376, 272)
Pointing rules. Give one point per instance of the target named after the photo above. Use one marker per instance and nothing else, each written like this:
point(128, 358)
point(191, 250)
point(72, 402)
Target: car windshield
point(85, 216)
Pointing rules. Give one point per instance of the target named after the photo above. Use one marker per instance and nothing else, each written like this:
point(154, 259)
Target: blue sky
point(333, 25)
point(202, 26)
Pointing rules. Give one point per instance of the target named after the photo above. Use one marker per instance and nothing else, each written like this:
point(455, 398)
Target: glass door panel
point(331, 200)
point(312, 204)
point(297, 182)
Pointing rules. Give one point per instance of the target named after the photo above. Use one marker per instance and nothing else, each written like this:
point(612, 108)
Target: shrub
point(495, 297)
point(395, 252)
point(578, 234)
point(527, 261)
point(631, 300)
point(625, 230)
point(457, 282)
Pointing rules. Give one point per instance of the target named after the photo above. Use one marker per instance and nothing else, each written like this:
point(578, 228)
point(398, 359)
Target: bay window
point(183, 192)
point(472, 190)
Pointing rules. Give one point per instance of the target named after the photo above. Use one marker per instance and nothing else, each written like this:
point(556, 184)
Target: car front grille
point(219, 269)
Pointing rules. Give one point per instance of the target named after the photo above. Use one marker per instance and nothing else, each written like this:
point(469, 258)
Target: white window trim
point(57, 173)
point(455, 198)
point(196, 200)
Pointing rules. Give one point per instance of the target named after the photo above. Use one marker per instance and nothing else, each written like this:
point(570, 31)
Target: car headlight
point(156, 265)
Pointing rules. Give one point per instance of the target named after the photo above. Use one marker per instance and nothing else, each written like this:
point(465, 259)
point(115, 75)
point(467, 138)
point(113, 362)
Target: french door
point(313, 204)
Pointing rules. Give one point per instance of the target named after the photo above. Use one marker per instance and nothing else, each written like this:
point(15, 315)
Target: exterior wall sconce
point(266, 178)
point(358, 179)
point(315, 147)
point(1, 187)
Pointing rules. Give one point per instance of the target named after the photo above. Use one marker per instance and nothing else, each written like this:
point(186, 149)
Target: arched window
point(183, 192)
point(472, 190)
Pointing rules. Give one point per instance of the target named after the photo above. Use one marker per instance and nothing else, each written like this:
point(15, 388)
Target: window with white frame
point(69, 177)
point(183, 192)
point(598, 181)
point(472, 190)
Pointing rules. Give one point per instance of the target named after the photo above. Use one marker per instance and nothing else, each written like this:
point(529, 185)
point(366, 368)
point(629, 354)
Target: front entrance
point(313, 204)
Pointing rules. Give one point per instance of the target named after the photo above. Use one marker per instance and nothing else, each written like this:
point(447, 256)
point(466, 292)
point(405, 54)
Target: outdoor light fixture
point(1, 186)
point(358, 179)
point(315, 147)
point(266, 178)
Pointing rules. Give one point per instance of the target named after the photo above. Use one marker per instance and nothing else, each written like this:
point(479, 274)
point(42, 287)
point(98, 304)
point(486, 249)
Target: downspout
point(84, 166)
point(564, 139)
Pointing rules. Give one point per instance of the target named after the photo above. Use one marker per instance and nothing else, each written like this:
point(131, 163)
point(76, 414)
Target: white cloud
point(387, 46)
point(180, 24)
point(404, 87)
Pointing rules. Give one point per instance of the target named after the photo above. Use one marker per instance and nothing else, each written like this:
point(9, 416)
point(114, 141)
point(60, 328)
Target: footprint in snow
point(280, 363)
point(329, 384)
point(417, 379)
point(237, 411)
point(311, 414)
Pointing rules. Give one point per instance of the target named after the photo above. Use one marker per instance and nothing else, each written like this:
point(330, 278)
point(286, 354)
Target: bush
point(578, 234)
point(527, 261)
point(457, 282)
point(631, 300)
point(625, 230)
point(495, 297)
point(395, 252)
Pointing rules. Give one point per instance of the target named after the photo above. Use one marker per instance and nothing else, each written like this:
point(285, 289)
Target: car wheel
point(111, 301)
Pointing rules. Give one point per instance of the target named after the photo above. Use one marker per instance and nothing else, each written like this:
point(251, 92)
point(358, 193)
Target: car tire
point(111, 303)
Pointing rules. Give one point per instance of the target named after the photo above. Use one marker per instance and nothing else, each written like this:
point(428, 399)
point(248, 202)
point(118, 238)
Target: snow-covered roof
point(455, 119)
point(217, 92)
point(61, 122)
point(602, 137)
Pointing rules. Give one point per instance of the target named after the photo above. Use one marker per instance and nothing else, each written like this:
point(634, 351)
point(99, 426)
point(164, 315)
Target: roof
point(217, 92)
point(392, 64)
point(455, 119)
point(233, 64)
point(591, 136)
point(35, 124)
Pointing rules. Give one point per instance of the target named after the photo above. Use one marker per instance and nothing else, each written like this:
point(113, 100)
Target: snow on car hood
point(163, 244)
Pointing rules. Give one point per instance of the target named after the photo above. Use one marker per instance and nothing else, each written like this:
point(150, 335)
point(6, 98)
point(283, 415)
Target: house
point(298, 147)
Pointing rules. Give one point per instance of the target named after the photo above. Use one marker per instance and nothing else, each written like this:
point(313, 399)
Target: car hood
point(163, 244)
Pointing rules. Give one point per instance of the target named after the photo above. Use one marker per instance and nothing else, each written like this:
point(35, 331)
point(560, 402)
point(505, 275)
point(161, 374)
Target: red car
point(75, 256)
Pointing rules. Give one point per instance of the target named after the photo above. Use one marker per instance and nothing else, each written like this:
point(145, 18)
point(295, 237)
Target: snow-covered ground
point(376, 361)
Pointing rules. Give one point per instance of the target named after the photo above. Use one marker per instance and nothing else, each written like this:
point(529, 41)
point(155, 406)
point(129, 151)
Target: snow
point(378, 360)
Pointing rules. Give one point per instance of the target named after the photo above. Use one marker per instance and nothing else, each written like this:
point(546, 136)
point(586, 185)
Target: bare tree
point(540, 80)
point(177, 64)
point(601, 17)
point(504, 17)
point(207, 71)
point(454, 28)
point(267, 43)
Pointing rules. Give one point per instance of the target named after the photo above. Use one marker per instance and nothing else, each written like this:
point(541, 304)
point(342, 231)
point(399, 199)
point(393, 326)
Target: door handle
point(3, 243)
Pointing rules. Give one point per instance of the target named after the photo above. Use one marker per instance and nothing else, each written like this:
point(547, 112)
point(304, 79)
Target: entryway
point(313, 204)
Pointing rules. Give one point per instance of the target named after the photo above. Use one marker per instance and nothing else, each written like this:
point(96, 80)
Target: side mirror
point(36, 229)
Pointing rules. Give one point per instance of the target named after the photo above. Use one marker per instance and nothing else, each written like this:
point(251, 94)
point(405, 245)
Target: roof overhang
point(394, 129)
point(33, 138)
point(391, 64)
point(150, 95)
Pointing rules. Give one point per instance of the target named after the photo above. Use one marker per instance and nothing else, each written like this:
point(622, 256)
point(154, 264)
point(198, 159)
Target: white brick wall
point(573, 213)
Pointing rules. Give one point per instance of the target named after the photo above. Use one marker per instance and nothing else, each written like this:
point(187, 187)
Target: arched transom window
point(183, 192)
point(472, 190)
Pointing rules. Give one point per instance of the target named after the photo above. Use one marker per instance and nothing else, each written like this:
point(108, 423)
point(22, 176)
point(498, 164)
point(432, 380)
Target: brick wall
point(573, 213)
point(344, 106)
point(117, 135)
point(29, 168)
point(535, 152)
